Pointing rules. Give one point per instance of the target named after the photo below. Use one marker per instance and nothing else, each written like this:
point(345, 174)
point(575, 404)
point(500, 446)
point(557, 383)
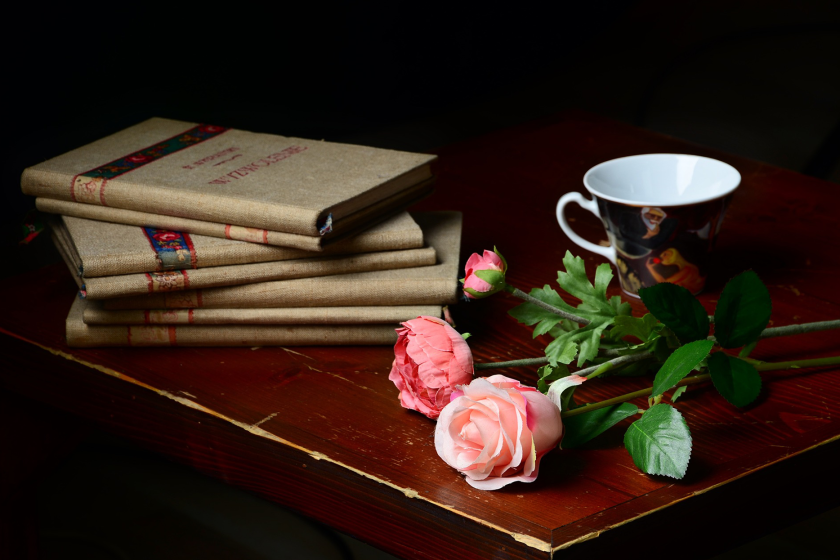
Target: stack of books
point(192, 235)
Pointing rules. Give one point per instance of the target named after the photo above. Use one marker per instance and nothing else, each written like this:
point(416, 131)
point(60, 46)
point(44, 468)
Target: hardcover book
point(425, 285)
point(123, 285)
point(105, 249)
point(372, 315)
point(81, 335)
point(354, 224)
point(228, 176)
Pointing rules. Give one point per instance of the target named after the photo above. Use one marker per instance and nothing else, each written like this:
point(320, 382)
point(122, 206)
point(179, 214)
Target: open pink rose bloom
point(431, 358)
point(488, 261)
point(495, 431)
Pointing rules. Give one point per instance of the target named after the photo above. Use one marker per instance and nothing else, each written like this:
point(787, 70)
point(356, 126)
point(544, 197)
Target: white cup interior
point(662, 179)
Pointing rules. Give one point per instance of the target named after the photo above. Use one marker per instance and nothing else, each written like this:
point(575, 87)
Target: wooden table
point(320, 430)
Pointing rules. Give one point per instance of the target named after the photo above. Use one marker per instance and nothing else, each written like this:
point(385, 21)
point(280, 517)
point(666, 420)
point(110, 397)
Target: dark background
point(758, 78)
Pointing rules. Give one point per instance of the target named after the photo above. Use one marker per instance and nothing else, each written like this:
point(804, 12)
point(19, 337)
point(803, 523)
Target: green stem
point(800, 329)
point(513, 363)
point(543, 305)
point(796, 364)
point(595, 371)
point(760, 366)
point(630, 396)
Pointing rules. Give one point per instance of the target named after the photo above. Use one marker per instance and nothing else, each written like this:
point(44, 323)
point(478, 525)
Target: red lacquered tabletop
point(320, 430)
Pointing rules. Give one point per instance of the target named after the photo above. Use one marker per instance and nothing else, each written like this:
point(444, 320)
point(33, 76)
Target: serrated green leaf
point(584, 340)
point(678, 392)
point(678, 310)
point(743, 310)
point(659, 442)
point(679, 364)
point(575, 282)
point(583, 427)
point(530, 314)
point(735, 379)
point(548, 374)
point(563, 327)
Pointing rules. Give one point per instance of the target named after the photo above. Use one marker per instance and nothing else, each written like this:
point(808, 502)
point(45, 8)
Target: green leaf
point(586, 339)
point(575, 282)
point(584, 427)
point(735, 379)
point(679, 364)
point(743, 311)
point(548, 374)
point(678, 393)
point(620, 307)
point(639, 327)
point(678, 310)
point(660, 442)
point(530, 314)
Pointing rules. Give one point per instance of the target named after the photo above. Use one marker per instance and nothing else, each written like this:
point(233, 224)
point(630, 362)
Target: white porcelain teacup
point(662, 213)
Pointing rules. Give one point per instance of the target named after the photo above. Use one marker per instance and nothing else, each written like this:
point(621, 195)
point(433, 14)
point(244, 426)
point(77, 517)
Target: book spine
point(122, 193)
point(433, 291)
point(87, 336)
point(180, 280)
point(94, 315)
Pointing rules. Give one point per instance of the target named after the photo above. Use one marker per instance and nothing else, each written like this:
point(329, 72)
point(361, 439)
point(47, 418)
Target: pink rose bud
point(485, 275)
point(431, 358)
point(497, 431)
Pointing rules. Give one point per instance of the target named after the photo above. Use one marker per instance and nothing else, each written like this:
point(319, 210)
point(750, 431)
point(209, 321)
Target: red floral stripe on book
point(173, 250)
point(89, 186)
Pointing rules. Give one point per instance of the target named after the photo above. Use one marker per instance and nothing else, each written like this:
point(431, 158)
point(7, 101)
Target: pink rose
point(485, 275)
point(495, 431)
point(430, 359)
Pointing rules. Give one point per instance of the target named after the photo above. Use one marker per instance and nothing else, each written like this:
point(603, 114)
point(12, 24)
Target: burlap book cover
point(228, 176)
point(352, 225)
point(372, 315)
point(80, 335)
point(106, 249)
point(428, 285)
point(105, 287)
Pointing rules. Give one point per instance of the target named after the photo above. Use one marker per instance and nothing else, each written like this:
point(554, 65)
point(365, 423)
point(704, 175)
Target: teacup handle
point(592, 206)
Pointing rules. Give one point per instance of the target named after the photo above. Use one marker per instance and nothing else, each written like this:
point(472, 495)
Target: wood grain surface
point(320, 430)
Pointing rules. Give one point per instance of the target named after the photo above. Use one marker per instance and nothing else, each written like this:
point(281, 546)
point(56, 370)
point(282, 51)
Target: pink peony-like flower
point(495, 431)
point(431, 358)
point(485, 274)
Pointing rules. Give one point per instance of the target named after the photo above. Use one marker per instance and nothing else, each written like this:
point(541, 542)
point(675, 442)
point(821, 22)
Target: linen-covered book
point(123, 285)
point(228, 176)
point(81, 335)
point(354, 224)
point(426, 285)
point(371, 315)
point(105, 249)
